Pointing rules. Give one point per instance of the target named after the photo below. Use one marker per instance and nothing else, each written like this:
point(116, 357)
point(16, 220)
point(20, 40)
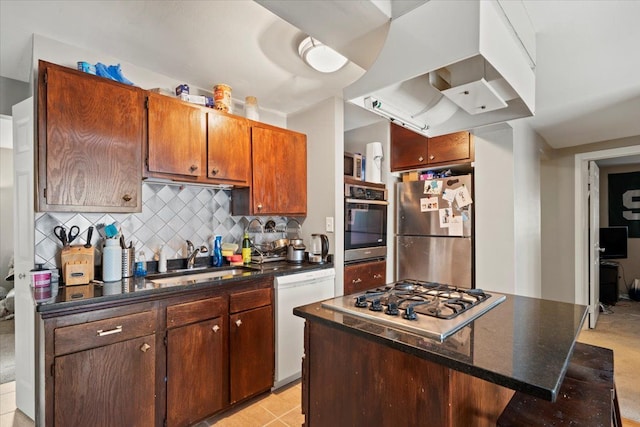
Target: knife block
point(77, 265)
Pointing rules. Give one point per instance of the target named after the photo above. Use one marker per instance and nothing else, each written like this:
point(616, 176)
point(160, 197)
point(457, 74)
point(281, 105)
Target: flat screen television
point(614, 242)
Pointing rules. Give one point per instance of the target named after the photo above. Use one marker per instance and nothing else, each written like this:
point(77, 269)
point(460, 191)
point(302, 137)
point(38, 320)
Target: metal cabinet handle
point(215, 171)
point(116, 330)
point(377, 276)
point(144, 347)
point(259, 206)
point(127, 198)
point(358, 280)
point(238, 322)
point(193, 168)
point(420, 159)
point(431, 157)
point(21, 276)
point(216, 328)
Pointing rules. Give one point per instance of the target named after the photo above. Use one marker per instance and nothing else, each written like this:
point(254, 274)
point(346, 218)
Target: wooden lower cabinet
point(173, 361)
point(365, 275)
point(107, 386)
point(251, 344)
point(350, 380)
point(196, 361)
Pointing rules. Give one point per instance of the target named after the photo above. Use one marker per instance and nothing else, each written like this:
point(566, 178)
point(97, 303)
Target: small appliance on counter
point(319, 249)
point(295, 251)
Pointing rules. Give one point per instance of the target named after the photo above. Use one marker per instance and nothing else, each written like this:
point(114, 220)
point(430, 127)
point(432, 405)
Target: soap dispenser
point(217, 252)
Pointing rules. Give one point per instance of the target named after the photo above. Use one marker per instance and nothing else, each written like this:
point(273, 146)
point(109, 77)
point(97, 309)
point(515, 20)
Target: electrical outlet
point(329, 224)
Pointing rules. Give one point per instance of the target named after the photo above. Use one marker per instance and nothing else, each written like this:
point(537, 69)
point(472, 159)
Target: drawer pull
point(144, 347)
point(377, 276)
point(215, 171)
point(358, 280)
point(432, 157)
point(216, 328)
point(127, 198)
point(193, 168)
point(420, 159)
point(238, 322)
point(116, 330)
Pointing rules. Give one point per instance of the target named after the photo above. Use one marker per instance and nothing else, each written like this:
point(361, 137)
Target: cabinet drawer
point(367, 275)
point(251, 299)
point(74, 338)
point(191, 312)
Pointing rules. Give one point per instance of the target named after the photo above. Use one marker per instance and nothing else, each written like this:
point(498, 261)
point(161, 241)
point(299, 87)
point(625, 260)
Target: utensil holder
point(128, 262)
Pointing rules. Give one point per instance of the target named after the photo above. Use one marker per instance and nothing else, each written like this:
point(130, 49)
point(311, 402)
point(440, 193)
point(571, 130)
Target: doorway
point(581, 206)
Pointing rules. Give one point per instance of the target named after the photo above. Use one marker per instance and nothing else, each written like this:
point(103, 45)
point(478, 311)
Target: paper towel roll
point(374, 162)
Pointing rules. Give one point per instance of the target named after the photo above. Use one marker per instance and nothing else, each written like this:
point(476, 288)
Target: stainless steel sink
point(198, 277)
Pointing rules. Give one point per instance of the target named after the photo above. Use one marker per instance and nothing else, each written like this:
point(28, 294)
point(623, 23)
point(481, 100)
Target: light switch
point(329, 224)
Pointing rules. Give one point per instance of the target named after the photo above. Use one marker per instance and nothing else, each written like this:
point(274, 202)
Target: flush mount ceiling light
point(320, 57)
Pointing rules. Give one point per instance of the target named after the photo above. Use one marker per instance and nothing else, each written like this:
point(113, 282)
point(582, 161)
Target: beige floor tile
point(253, 415)
point(292, 395)
point(276, 423)
point(7, 387)
point(276, 404)
point(15, 419)
point(7, 402)
point(293, 418)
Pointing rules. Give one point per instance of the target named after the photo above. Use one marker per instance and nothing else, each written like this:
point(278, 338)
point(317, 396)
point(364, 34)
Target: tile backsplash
point(171, 214)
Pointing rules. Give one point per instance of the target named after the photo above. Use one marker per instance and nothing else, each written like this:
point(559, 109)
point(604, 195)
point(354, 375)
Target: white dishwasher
point(292, 291)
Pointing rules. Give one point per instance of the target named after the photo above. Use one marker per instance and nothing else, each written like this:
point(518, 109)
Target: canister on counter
point(251, 108)
point(222, 98)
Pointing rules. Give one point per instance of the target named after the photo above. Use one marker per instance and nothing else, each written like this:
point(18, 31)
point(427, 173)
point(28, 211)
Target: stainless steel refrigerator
point(434, 230)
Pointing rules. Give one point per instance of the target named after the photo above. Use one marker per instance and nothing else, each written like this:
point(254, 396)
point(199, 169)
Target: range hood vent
point(448, 66)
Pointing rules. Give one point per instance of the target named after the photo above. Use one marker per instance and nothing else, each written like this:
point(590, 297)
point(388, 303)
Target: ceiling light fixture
point(320, 57)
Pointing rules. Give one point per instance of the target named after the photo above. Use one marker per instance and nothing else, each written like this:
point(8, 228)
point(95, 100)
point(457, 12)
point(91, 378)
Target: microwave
point(353, 166)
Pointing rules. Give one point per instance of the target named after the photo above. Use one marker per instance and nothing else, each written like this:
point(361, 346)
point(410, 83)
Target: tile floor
point(280, 408)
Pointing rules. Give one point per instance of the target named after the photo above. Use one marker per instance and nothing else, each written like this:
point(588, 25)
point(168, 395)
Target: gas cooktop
point(426, 308)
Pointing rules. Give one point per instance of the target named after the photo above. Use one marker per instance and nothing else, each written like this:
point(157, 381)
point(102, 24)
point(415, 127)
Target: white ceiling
point(588, 57)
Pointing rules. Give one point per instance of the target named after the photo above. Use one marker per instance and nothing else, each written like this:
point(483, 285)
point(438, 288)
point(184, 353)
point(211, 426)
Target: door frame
point(581, 210)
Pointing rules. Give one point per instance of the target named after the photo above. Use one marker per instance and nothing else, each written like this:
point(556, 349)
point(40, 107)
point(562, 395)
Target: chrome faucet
point(192, 253)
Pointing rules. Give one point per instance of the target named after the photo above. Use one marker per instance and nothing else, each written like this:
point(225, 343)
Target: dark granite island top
point(523, 343)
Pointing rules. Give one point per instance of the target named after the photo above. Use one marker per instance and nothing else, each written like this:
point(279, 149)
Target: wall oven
point(365, 222)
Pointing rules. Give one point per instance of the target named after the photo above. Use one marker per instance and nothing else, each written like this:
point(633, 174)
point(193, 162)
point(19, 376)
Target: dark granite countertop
point(49, 301)
point(524, 344)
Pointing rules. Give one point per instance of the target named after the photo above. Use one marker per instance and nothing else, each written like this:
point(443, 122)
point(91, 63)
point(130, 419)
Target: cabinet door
point(251, 353)
point(229, 149)
point(177, 137)
point(408, 149)
point(363, 276)
point(455, 147)
point(90, 142)
point(279, 161)
point(107, 386)
point(196, 371)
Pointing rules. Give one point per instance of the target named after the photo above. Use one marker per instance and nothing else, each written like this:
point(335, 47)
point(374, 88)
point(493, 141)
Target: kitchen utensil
point(61, 234)
point(270, 226)
point(319, 249)
point(279, 244)
point(73, 233)
point(295, 251)
point(89, 235)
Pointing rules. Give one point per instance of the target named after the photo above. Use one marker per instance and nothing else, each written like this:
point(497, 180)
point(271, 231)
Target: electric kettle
point(319, 249)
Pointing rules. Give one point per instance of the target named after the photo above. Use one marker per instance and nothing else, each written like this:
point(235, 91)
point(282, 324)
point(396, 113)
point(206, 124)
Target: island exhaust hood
point(448, 66)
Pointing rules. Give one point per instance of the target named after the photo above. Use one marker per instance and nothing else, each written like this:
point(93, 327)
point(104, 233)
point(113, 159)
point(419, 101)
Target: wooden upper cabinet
point(279, 162)
point(90, 134)
point(410, 150)
point(452, 148)
point(229, 149)
point(177, 136)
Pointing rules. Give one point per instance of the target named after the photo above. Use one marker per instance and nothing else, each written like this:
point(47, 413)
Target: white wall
point(557, 217)
point(355, 141)
point(527, 148)
point(494, 209)
point(66, 55)
point(323, 125)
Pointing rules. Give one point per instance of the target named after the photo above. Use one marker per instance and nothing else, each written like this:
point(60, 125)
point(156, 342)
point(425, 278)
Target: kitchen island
point(360, 372)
